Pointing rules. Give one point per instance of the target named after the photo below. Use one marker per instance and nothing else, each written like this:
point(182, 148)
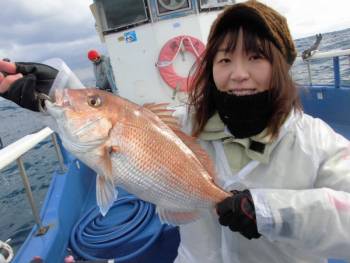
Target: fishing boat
point(159, 40)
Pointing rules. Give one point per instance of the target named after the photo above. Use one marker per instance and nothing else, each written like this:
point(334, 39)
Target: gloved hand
point(37, 78)
point(238, 213)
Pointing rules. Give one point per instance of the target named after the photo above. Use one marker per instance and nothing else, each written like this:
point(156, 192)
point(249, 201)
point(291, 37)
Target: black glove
point(238, 213)
point(37, 78)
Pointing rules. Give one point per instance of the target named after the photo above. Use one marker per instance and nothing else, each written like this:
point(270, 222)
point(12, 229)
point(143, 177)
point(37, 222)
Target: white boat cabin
point(153, 43)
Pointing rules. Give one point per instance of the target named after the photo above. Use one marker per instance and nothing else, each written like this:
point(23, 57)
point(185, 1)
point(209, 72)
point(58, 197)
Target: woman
point(289, 173)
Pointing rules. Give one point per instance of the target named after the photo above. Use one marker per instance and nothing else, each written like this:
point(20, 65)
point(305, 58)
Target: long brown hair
point(284, 91)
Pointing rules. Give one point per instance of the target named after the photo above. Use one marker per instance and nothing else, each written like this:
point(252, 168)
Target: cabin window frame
point(104, 24)
point(158, 16)
point(181, 9)
point(214, 8)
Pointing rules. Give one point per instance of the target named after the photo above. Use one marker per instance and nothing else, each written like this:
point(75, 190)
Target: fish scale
point(166, 188)
point(160, 191)
point(167, 163)
point(171, 181)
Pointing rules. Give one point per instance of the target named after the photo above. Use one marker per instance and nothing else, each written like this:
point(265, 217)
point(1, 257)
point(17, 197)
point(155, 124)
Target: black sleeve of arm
point(37, 78)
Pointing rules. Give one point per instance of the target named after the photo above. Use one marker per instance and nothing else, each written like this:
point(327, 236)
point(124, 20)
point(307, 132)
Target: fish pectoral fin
point(106, 193)
point(114, 149)
point(105, 159)
point(176, 218)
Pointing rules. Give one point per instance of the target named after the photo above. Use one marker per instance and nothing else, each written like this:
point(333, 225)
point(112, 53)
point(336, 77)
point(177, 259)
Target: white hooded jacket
point(301, 192)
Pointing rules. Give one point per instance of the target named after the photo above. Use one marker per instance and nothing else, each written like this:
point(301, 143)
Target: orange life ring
point(169, 52)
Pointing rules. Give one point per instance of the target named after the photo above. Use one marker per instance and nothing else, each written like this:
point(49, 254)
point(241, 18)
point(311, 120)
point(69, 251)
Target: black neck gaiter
point(246, 115)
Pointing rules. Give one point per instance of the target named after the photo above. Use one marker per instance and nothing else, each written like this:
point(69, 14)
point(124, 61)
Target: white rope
point(6, 246)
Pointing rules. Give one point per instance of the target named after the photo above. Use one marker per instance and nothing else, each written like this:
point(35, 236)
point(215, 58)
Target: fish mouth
point(60, 100)
point(54, 110)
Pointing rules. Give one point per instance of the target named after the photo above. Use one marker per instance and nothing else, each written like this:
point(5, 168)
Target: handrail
point(14, 152)
point(334, 54)
point(11, 152)
point(326, 54)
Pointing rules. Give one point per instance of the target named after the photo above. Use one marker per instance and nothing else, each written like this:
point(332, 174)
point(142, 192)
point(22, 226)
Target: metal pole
point(336, 70)
point(58, 152)
point(309, 71)
point(28, 191)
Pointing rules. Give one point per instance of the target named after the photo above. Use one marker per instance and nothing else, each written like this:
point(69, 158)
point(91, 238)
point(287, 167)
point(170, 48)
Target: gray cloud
point(37, 30)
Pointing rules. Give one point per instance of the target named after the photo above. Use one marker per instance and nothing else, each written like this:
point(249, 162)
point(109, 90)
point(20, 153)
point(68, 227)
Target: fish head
point(83, 116)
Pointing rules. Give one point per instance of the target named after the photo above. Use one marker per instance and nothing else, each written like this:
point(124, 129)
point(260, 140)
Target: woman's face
point(240, 72)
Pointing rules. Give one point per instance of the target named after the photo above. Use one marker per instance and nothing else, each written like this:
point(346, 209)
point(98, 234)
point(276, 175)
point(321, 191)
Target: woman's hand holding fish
point(238, 213)
point(21, 82)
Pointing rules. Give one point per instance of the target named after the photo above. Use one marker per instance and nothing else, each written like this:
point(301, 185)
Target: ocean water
point(16, 218)
point(322, 69)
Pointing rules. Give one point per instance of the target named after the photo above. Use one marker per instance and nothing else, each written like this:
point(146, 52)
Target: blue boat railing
point(15, 151)
point(334, 55)
point(330, 102)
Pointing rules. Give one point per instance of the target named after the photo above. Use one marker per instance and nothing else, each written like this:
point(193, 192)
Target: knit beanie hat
point(270, 22)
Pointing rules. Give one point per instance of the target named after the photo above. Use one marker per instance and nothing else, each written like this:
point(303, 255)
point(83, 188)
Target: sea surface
point(16, 219)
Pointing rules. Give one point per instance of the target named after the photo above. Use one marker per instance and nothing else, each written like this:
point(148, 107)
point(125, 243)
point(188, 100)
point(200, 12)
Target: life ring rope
point(181, 45)
point(169, 53)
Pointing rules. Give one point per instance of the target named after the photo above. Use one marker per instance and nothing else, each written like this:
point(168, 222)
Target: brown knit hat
point(273, 25)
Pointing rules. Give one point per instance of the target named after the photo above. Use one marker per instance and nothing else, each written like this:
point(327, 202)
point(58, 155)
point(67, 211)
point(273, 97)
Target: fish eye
point(94, 101)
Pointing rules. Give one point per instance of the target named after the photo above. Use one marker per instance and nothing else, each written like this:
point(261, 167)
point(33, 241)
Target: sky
point(37, 30)
point(309, 17)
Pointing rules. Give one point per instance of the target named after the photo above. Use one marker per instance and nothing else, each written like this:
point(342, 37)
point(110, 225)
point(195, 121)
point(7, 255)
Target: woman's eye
point(224, 60)
point(94, 101)
point(255, 56)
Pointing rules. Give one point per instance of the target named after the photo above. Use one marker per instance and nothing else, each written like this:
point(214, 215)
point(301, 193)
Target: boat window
point(214, 4)
point(169, 6)
point(121, 14)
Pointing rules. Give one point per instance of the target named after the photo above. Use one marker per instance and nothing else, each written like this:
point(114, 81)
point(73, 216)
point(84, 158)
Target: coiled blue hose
point(95, 237)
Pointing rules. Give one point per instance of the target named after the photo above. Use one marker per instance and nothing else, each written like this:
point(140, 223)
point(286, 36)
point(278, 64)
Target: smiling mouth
point(243, 92)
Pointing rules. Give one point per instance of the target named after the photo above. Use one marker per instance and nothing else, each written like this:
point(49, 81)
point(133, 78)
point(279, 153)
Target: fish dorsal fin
point(198, 151)
point(164, 114)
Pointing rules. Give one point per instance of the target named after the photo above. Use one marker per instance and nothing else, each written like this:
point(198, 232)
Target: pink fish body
point(141, 149)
